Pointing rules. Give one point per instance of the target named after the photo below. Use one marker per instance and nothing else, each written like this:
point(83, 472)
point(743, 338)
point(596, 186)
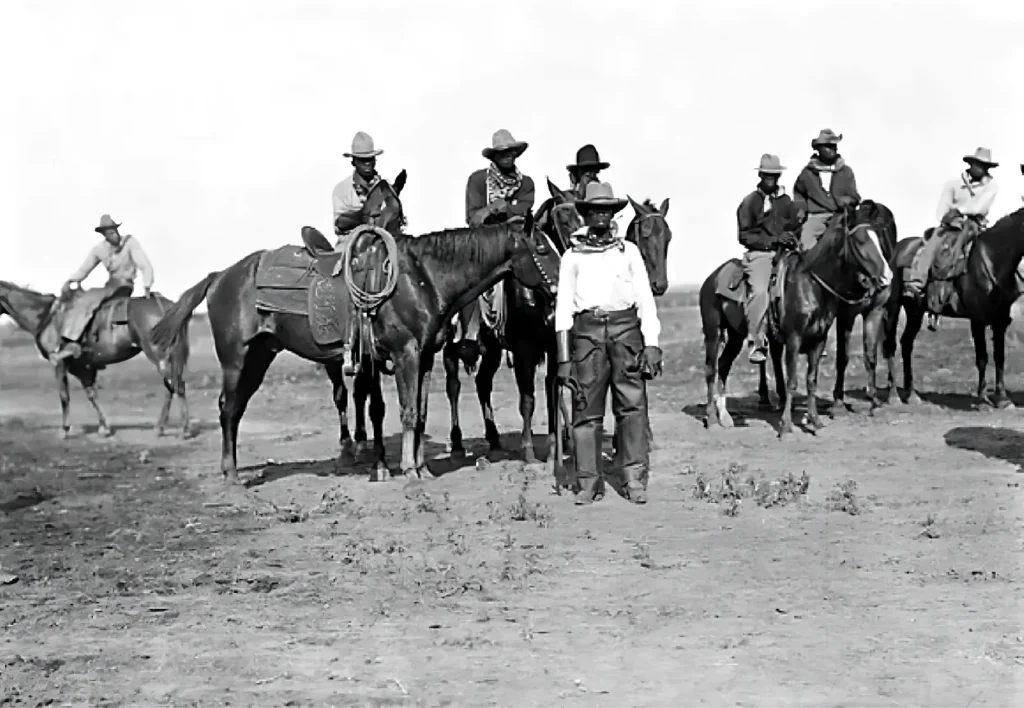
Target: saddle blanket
point(731, 284)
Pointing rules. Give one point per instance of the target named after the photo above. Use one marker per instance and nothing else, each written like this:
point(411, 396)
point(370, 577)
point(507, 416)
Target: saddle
point(308, 280)
point(951, 259)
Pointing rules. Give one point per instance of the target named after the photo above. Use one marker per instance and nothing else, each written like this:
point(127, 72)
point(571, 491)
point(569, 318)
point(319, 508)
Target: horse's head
point(650, 231)
point(383, 207)
point(860, 249)
point(535, 259)
point(560, 219)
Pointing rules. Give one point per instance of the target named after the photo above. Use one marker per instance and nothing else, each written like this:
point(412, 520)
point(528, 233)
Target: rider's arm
point(88, 265)
point(647, 309)
point(945, 200)
point(751, 222)
point(523, 199)
point(477, 210)
point(847, 190)
point(141, 261)
point(565, 298)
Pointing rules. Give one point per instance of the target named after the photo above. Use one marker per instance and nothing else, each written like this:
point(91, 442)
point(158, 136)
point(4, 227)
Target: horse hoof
point(913, 399)
point(231, 479)
point(160, 432)
point(104, 432)
point(423, 472)
point(359, 449)
point(457, 453)
point(65, 433)
point(726, 421)
point(529, 456)
point(839, 409)
point(1006, 405)
point(380, 473)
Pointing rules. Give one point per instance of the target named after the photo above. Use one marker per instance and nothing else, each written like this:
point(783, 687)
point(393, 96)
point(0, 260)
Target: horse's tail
point(167, 333)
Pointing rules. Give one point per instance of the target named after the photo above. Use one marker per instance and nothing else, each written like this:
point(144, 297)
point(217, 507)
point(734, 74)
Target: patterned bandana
point(500, 185)
point(586, 241)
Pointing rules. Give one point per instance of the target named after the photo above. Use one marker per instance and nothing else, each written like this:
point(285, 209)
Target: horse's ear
point(399, 183)
point(637, 207)
point(556, 193)
point(664, 207)
point(528, 223)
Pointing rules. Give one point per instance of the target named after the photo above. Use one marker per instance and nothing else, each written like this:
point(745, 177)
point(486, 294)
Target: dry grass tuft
point(736, 484)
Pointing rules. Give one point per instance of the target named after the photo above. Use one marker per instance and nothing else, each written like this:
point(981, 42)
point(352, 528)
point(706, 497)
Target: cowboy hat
point(600, 196)
point(827, 137)
point(362, 147)
point(770, 165)
point(106, 223)
point(502, 141)
point(587, 158)
point(983, 156)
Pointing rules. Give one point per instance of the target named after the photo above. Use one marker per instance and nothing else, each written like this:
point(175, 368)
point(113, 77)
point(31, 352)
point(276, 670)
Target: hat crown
point(983, 154)
point(362, 143)
point(106, 222)
point(770, 163)
point(827, 136)
point(502, 139)
point(587, 154)
point(599, 191)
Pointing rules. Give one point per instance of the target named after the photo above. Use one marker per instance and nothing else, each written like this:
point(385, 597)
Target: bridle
point(876, 286)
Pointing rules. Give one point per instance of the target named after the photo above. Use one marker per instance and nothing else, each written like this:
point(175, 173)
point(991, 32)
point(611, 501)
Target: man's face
point(976, 170)
point(827, 153)
point(505, 160)
point(112, 236)
point(769, 182)
point(366, 167)
point(600, 219)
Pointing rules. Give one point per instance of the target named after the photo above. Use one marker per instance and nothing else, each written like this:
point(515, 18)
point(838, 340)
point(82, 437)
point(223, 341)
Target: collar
point(817, 165)
point(780, 191)
point(965, 177)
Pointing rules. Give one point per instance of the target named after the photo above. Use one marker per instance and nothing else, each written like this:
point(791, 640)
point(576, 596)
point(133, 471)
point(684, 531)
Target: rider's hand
point(498, 206)
point(145, 292)
point(650, 361)
point(65, 289)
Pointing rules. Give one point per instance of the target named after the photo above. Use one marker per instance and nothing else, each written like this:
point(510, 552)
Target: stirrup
point(351, 366)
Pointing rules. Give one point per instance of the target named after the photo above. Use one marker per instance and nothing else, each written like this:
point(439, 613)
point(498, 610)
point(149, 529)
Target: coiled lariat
point(363, 300)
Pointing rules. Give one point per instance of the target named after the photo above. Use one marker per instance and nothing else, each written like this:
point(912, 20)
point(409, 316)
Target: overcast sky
point(214, 128)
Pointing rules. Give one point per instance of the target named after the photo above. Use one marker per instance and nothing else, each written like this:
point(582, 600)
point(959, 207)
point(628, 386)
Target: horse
point(433, 271)
point(807, 291)
point(529, 335)
point(983, 294)
point(118, 331)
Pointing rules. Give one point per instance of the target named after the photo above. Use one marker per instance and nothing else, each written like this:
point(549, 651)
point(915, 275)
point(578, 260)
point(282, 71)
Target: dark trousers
point(606, 349)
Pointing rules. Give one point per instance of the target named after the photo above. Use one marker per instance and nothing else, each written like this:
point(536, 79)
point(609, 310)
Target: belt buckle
point(599, 312)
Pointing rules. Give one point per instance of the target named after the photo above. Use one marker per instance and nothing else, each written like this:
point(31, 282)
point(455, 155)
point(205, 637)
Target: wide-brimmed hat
point(362, 147)
point(827, 137)
point(502, 141)
point(770, 165)
point(983, 156)
point(600, 196)
point(106, 223)
point(588, 159)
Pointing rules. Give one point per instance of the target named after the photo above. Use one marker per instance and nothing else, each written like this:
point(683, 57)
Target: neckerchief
point(767, 198)
point(970, 184)
point(500, 185)
point(819, 166)
point(586, 241)
point(362, 186)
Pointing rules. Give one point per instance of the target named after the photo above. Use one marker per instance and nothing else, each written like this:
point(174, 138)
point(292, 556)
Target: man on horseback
point(123, 258)
point(494, 195)
point(826, 185)
point(963, 211)
point(350, 194)
point(588, 166)
point(768, 221)
point(607, 328)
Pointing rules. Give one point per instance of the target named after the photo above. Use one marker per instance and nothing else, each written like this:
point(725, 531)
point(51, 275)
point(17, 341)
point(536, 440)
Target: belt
point(603, 314)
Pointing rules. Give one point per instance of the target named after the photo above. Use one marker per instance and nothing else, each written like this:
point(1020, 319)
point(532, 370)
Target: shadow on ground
point(998, 443)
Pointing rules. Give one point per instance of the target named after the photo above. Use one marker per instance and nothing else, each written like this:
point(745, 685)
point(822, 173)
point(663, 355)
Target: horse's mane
point(477, 244)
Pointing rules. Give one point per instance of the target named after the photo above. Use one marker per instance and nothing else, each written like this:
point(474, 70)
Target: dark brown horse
point(528, 333)
point(434, 272)
point(118, 332)
point(846, 265)
point(983, 294)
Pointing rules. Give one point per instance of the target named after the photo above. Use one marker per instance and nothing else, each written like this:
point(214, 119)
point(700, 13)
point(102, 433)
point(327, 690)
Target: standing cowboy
point(767, 220)
point(588, 166)
point(827, 185)
point(123, 258)
point(350, 194)
point(494, 195)
point(963, 208)
point(607, 329)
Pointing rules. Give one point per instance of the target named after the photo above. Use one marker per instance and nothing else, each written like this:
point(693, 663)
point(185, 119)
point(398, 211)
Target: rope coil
point(363, 300)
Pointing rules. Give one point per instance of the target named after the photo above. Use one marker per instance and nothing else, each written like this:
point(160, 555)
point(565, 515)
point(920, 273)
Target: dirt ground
point(131, 577)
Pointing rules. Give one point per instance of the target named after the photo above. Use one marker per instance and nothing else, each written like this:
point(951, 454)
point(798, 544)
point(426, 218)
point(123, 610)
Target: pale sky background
point(214, 128)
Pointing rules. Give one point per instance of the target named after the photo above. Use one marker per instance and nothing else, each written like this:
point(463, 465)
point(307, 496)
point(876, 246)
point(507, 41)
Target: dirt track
point(141, 581)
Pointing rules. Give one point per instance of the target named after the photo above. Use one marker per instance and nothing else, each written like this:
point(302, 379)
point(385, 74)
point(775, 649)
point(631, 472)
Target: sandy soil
point(132, 577)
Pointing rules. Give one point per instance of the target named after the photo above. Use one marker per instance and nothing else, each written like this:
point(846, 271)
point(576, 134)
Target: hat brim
point(612, 205)
point(589, 166)
point(972, 159)
point(517, 147)
point(102, 228)
point(776, 171)
point(363, 155)
point(818, 142)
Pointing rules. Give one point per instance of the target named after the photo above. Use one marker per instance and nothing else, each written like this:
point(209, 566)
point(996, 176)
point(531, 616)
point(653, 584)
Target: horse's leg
point(711, 343)
point(453, 389)
point(775, 350)
point(360, 393)
point(335, 372)
point(422, 470)
point(553, 398)
point(792, 351)
point(407, 377)
point(88, 378)
point(980, 358)
point(377, 411)
point(524, 366)
point(844, 329)
point(813, 364)
point(999, 355)
point(873, 323)
point(915, 316)
point(489, 365)
point(242, 378)
point(890, 327)
point(61, 373)
point(764, 400)
point(165, 410)
point(733, 347)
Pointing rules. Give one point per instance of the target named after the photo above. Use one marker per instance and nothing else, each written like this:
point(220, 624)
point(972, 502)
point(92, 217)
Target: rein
point(364, 300)
point(869, 295)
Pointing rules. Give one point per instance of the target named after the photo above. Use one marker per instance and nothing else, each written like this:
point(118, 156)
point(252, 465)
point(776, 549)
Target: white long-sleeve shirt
point(611, 280)
point(969, 198)
point(122, 262)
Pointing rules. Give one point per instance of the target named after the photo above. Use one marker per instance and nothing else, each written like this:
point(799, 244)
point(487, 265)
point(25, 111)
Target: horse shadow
point(1003, 444)
point(964, 402)
point(745, 409)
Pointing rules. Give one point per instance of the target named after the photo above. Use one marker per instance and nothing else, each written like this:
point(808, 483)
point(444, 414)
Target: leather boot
point(588, 492)
point(636, 489)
